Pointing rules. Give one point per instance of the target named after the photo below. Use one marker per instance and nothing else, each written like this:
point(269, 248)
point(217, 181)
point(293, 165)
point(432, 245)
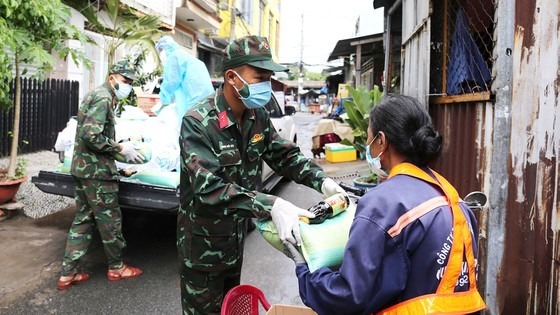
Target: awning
point(312, 93)
point(205, 42)
point(332, 70)
point(383, 3)
point(347, 47)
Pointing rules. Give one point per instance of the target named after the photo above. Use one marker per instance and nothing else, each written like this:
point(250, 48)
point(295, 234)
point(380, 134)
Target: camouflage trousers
point(97, 208)
point(202, 292)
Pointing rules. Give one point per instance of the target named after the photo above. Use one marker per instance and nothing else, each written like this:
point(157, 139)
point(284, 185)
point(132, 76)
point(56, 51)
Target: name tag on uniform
point(227, 146)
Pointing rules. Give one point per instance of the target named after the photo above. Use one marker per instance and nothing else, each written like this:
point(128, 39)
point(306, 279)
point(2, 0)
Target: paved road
point(32, 249)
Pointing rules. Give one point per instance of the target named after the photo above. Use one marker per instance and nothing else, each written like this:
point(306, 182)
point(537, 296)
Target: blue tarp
point(467, 67)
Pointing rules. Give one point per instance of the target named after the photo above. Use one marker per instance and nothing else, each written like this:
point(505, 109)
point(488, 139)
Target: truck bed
point(131, 195)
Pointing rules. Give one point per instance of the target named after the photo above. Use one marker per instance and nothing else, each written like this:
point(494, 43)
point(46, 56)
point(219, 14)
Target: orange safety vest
point(445, 300)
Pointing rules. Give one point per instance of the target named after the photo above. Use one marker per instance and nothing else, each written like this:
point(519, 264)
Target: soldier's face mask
point(122, 89)
point(255, 95)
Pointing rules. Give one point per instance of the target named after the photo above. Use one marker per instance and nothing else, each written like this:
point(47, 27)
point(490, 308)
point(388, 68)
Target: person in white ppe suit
point(186, 80)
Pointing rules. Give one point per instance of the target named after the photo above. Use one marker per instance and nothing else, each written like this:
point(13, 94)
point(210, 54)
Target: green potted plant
point(30, 31)
point(10, 185)
point(357, 117)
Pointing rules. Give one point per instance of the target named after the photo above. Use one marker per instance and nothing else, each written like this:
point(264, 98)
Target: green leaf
point(358, 109)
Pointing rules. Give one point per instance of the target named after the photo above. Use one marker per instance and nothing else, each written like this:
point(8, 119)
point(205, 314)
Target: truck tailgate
point(131, 195)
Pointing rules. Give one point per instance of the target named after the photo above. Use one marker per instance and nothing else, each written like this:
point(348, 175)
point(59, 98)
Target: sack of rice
point(160, 178)
point(322, 244)
point(142, 148)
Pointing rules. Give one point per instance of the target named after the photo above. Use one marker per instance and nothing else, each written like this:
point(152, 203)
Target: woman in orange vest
point(412, 247)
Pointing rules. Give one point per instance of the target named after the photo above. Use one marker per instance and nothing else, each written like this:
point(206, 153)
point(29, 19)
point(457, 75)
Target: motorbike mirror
point(476, 200)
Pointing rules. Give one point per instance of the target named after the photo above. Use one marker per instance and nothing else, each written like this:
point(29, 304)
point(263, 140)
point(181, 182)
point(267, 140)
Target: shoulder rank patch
point(223, 119)
point(257, 137)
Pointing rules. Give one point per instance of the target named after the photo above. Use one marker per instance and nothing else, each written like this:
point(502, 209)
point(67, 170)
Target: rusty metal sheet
point(463, 156)
point(529, 271)
point(467, 132)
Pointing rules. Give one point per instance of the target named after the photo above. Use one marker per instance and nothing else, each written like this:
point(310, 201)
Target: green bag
point(160, 178)
point(142, 148)
point(62, 168)
point(322, 244)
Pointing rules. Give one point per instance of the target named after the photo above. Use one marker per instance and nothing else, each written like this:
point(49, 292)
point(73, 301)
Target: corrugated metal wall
point(527, 252)
point(529, 273)
point(415, 50)
point(508, 148)
point(463, 155)
point(466, 129)
point(524, 227)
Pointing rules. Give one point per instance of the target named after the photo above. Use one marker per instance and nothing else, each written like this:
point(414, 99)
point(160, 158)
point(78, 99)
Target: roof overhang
point(333, 69)
point(346, 47)
point(382, 3)
point(207, 43)
point(195, 16)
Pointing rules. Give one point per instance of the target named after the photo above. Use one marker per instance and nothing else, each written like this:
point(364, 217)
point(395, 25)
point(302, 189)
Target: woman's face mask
point(255, 95)
point(122, 90)
point(375, 163)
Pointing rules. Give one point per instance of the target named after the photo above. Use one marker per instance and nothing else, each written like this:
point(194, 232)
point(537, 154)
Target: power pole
point(232, 26)
point(300, 78)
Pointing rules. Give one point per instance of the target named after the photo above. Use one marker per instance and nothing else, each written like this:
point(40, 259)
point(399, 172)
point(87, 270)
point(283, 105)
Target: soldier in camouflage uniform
point(95, 173)
point(224, 140)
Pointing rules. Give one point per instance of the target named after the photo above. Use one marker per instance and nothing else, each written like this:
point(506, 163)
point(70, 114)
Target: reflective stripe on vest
point(445, 300)
point(416, 213)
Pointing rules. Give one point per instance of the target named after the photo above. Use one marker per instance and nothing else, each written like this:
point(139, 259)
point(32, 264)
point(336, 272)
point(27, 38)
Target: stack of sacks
point(156, 137)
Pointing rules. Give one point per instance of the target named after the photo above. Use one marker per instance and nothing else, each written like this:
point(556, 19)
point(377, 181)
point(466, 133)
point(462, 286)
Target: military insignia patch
point(223, 119)
point(257, 137)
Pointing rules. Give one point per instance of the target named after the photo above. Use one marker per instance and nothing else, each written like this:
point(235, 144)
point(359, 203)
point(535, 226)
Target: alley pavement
point(32, 250)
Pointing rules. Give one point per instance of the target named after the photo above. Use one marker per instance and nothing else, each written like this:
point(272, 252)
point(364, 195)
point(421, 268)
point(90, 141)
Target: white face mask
point(122, 90)
point(375, 163)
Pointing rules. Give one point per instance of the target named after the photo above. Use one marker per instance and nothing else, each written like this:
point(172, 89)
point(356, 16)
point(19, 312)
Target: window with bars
point(247, 11)
point(461, 49)
point(184, 39)
point(260, 18)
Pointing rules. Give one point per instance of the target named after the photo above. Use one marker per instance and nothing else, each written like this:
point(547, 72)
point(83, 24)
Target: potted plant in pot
point(10, 185)
point(30, 31)
point(357, 116)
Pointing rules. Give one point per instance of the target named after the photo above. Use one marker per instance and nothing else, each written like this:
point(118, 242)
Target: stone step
point(12, 206)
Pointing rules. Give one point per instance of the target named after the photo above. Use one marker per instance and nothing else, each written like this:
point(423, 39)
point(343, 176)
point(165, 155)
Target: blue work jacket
point(378, 270)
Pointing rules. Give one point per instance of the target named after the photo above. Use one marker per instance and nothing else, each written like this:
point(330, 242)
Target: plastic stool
point(244, 300)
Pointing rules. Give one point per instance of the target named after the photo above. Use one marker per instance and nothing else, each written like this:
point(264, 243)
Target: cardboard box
point(280, 309)
point(343, 91)
point(146, 101)
point(336, 152)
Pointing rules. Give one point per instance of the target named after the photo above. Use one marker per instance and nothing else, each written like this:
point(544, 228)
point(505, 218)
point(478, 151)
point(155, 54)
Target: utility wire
point(89, 5)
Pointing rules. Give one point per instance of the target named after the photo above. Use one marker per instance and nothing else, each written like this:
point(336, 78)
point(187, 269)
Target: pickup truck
point(149, 197)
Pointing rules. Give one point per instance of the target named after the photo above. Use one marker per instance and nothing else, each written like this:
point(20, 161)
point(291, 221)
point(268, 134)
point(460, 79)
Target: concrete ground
point(31, 250)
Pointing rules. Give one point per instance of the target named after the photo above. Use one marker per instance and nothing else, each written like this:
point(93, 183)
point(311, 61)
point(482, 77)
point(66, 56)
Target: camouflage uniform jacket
point(95, 143)
point(220, 166)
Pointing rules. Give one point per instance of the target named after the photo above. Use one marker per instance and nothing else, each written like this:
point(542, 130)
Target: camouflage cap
point(124, 68)
point(250, 50)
